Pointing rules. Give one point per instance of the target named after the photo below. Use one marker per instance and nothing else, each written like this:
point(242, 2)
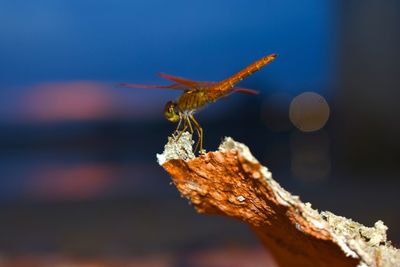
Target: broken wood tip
point(231, 182)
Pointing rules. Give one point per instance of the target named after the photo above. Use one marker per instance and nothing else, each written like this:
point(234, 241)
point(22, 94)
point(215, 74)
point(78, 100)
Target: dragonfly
point(197, 94)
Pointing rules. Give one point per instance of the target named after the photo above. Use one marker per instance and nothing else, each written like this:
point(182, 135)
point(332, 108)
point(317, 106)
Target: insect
point(197, 94)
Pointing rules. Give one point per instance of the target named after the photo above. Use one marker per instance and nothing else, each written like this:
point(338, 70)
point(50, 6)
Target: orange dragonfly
point(197, 94)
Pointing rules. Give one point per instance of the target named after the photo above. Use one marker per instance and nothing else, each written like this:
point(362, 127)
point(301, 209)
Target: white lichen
point(229, 144)
point(177, 148)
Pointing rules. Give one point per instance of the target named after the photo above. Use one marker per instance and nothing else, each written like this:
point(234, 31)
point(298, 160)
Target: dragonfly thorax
point(192, 100)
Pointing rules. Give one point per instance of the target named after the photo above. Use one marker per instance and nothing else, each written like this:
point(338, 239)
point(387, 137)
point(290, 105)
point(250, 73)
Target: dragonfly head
point(171, 112)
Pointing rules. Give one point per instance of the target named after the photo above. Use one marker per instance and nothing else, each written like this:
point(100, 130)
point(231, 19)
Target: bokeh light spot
point(309, 111)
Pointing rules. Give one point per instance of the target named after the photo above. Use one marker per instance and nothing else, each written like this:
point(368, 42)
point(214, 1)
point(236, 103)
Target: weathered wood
point(231, 182)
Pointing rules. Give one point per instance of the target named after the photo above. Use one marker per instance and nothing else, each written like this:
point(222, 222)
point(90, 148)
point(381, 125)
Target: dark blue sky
point(130, 41)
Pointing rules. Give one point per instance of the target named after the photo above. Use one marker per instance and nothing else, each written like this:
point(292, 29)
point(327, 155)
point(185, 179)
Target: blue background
point(77, 154)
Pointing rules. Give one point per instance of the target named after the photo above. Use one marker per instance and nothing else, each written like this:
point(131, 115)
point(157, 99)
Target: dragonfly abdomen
point(234, 79)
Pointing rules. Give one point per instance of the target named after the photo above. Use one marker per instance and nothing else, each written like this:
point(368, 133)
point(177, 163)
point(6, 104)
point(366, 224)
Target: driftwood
point(231, 182)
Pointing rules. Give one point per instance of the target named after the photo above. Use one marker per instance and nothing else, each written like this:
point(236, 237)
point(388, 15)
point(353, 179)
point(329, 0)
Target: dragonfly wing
point(174, 86)
point(245, 90)
point(187, 82)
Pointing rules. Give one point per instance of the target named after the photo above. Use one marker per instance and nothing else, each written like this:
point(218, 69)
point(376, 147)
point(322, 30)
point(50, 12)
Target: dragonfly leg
point(200, 134)
point(190, 124)
point(181, 132)
point(198, 140)
point(187, 124)
point(179, 124)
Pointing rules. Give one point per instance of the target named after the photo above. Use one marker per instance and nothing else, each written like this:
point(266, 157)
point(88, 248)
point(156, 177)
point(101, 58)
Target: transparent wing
point(180, 84)
point(174, 86)
point(185, 84)
point(184, 81)
point(245, 90)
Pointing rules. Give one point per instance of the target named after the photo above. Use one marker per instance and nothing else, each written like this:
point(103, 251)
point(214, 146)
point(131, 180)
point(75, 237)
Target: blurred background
point(79, 182)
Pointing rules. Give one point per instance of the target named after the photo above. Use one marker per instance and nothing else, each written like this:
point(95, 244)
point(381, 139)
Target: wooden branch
point(232, 182)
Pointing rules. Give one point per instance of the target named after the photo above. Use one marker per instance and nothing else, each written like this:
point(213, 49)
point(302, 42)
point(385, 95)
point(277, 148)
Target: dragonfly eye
point(170, 112)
